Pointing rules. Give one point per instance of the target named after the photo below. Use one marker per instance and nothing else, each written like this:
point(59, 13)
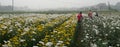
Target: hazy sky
point(36, 4)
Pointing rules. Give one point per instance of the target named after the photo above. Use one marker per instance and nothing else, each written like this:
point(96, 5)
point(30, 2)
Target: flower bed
point(60, 36)
point(29, 29)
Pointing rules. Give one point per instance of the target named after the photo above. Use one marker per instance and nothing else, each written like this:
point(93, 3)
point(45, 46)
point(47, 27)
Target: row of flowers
point(30, 29)
point(60, 36)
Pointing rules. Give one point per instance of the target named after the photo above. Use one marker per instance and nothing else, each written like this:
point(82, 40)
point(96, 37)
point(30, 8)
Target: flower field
point(102, 31)
point(28, 31)
point(58, 30)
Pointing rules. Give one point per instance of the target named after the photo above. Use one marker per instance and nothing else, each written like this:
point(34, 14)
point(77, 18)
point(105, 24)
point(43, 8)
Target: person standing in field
point(79, 17)
point(90, 14)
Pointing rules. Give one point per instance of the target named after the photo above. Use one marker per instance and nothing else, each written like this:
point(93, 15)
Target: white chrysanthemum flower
point(52, 35)
point(58, 44)
point(112, 27)
point(8, 41)
point(26, 29)
point(22, 40)
point(95, 26)
point(105, 43)
point(106, 34)
point(23, 33)
point(30, 20)
point(10, 31)
point(104, 25)
point(49, 44)
point(55, 31)
point(5, 27)
point(99, 39)
point(41, 42)
point(66, 26)
point(93, 45)
point(17, 24)
point(117, 28)
point(60, 41)
point(91, 37)
point(33, 39)
point(5, 45)
point(118, 45)
point(82, 40)
point(87, 36)
point(96, 31)
point(34, 32)
point(5, 41)
point(7, 23)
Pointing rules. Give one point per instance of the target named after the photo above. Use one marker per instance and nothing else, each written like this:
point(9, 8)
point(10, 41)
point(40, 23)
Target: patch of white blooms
point(49, 44)
point(98, 29)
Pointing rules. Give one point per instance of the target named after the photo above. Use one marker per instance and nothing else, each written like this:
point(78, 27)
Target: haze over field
point(43, 4)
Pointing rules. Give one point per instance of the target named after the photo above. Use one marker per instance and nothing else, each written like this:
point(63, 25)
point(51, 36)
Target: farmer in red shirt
point(79, 17)
point(90, 14)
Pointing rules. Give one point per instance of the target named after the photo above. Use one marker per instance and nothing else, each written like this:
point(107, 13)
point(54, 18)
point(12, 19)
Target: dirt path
point(78, 34)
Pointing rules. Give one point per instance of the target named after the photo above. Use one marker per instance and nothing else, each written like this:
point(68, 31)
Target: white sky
point(36, 4)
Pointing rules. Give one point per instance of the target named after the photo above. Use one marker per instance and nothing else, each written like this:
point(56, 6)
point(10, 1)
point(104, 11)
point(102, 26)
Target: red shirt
point(79, 16)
